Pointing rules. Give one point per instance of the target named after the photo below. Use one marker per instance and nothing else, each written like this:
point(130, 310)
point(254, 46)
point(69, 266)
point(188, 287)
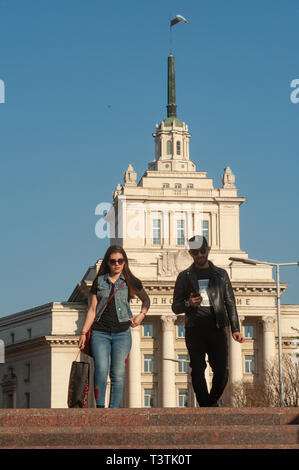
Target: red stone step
point(147, 437)
point(149, 416)
point(166, 428)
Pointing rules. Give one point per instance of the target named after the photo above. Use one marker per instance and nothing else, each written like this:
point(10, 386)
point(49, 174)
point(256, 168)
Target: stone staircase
point(150, 428)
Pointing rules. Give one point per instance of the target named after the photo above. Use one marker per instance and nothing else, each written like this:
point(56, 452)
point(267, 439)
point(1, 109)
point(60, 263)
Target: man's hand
point(238, 337)
point(195, 300)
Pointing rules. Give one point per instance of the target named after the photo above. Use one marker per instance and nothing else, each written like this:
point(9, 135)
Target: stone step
point(150, 428)
point(149, 437)
point(149, 416)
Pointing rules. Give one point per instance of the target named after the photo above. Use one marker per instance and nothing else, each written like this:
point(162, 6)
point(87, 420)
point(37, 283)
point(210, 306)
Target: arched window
point(169, 147)
point(178, 147)
point(158, 148)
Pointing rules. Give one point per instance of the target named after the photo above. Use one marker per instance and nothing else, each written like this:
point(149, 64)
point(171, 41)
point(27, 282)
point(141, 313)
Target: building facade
point(152, 219)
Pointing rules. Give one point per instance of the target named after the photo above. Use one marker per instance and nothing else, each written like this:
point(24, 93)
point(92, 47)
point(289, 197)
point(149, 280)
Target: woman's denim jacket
point(122, 303)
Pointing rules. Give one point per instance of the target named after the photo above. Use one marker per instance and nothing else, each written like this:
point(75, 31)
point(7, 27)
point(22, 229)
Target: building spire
point(171, 106)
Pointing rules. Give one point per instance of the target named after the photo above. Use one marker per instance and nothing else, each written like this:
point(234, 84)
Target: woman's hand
point(82, 341)
point(137, 320)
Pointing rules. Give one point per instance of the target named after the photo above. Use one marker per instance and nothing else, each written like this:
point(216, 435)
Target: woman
point(110, 325)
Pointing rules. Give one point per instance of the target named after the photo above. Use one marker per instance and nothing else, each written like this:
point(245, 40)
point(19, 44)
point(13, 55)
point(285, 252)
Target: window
point(148, 363)
point(12, 337)
point(27, 400)
point(165, 185)
point(189, 185)
point(27, 372)
point(183, 397)
point(183, 364)
point(147, 330)
point(180, 232)
point(178, 147)
point(9, 400)
point(248, 331)
point(158, 148)
point(205, 229)
point(169, 147)
point(177, 185)
point(29, 331)
point(181, 331)
point(249, 365)
point(148, 397)
point(157, 232)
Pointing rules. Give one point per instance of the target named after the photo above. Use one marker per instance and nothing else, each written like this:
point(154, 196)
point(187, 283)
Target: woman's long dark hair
point(129, 277)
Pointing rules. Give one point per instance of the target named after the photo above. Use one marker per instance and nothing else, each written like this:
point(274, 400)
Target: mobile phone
point(195, 294)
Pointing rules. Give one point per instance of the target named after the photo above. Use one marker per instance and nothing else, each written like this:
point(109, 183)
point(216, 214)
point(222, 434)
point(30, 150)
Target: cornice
point(40, 343)
point(62, 340)
point(239, 287)
point(19, 317)
point(41, 311)
point(25, 346)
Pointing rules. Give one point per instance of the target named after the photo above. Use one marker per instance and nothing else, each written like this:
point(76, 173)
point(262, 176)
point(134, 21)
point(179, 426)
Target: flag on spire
point(177, 19)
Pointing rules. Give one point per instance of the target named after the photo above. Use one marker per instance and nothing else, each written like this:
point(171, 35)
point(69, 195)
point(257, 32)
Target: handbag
point(87, 349)
point(78, 384)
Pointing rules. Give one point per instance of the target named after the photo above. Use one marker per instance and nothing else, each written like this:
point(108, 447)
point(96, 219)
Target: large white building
point(152, 219)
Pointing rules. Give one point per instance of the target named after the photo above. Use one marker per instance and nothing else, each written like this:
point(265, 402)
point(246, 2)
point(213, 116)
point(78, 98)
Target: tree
point(266, 393)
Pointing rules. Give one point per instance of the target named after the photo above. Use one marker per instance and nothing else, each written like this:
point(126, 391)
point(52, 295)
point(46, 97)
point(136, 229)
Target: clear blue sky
point(85, 84)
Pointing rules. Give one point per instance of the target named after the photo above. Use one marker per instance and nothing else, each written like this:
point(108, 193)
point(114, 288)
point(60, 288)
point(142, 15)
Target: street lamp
point(277, 265)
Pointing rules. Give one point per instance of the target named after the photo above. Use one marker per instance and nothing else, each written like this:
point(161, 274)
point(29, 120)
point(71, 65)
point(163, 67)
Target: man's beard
point(202, 261)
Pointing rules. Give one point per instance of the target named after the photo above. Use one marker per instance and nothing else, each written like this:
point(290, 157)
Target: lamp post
point(277, 266)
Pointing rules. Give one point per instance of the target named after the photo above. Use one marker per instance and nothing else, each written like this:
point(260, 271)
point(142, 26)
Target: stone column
point(168, 367)
point(148, 228)
point(268, 341)
point(213, 230)
point(235, 357)
point(165, 229)
point(171, 228)
point(134, 370)
point(189, 227)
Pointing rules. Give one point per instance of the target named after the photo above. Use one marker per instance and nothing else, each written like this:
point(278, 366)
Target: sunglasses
point(119, 261)
point(201, 250)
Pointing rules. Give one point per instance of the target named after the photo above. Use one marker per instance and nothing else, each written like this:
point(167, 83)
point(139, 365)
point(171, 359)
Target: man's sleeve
point(230, 304)
point(179, 295)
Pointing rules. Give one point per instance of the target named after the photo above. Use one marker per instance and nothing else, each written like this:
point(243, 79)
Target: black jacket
point(220, 293)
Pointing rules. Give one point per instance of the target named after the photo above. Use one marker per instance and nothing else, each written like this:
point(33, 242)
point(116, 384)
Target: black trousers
point(201, 339)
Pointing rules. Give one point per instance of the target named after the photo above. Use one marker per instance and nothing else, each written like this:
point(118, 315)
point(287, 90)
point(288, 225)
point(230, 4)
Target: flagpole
point(170, 37)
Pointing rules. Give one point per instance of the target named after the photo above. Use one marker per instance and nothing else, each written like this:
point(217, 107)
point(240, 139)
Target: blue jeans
point(110, 353)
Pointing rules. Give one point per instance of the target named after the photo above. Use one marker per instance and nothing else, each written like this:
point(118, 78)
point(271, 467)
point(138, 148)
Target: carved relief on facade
point(182, 260)
point(170, 264)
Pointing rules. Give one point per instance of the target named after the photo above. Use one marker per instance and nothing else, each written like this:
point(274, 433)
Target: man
point(204, 293)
